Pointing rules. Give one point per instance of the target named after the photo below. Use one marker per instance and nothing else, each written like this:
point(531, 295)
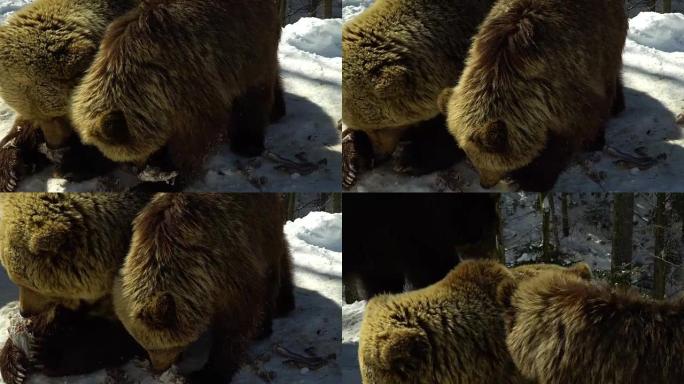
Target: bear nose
point(25, 313)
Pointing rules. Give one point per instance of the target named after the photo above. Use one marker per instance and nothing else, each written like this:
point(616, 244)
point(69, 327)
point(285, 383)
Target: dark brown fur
point(68, 343)
point(568, 331)
point(202, 262)
point(398, 55)
point(541, 79)
point(169, 73)
point(452, 332)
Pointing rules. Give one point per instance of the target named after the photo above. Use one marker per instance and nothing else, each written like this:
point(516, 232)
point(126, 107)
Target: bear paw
point(14, 364)
point(357, 156)
point(10, 169)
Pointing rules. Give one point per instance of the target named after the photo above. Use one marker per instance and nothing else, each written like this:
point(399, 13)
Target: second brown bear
point(201, 262)
point(168, 75)
point(540, 81)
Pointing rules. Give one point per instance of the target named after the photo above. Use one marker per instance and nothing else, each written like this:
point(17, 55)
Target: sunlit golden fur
point(397, 57)
point(450, 332)
point(45, 48)
point(202, 262)
point(566, 330)
point(525, 272)
point(64, 248)
point(537, 70)
point(168, 73)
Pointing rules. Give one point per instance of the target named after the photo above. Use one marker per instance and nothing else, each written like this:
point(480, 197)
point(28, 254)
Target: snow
point(654, 89)
point(352, 315)
point(312, 329)
point(303, 150)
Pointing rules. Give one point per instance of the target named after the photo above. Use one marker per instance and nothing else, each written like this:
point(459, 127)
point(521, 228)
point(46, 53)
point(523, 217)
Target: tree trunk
point(564, 214)
point(623, 215)
point(328, 9)
point(667, 6)
point(546, 229)
point(291, 206)
point(500, 249)
point(660, 264)
point(336, 202)
point(282, 11)
point(554, 220)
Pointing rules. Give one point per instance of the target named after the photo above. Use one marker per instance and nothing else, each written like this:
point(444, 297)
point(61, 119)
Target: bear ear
point(493, 138)
point(160, 313)
point(582, 270)
point(443, 100)
point(402, 349)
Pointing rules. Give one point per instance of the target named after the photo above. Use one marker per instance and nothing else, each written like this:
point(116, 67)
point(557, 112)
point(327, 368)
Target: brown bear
point(63, 252)
point(563, 329)
point(541, 79)
point(169, 75)
point(450, 332)
point(205, 262)
point(398, 55)
point(45, 48)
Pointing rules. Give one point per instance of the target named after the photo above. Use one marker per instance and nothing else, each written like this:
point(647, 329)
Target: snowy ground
point(312, 330)
point(654, 81)
point(303, 149)
point(590, 233)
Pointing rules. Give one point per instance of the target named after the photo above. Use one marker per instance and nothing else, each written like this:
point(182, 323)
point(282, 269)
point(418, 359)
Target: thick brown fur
point(64, 342)
point(542, 77)
point(398, 56)
point(65, 249)
point(451, 332)
point(168, 73)
point(63, 252)
point(202, 262)
point(44, 50)
point(566, 330)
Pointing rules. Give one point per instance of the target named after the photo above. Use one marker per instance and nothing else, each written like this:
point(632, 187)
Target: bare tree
point(328, 9)
point(500, 249)
point(661, 260)
point(623, 214)
point(282, 12)
point(564, 214)
point(546, 229)
point(554, 220)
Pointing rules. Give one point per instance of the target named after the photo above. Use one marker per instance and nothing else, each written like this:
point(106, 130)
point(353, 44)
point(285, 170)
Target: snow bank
point(313, 329)
point(654, 90)
point(321, 37)
point(7, 7)
point(352, 8)
point(650, 29)
point(352, 315)
point(303, 150)
point(319, 229)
